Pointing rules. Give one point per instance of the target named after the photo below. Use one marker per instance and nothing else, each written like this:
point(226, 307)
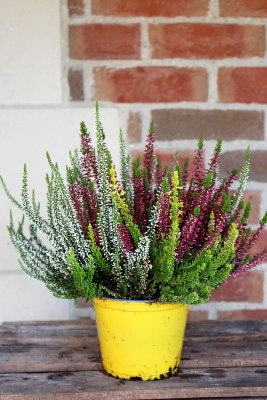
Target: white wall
point(34, 119)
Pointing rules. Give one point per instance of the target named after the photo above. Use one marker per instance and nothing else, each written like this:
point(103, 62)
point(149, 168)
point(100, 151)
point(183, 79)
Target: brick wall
point(195, 67)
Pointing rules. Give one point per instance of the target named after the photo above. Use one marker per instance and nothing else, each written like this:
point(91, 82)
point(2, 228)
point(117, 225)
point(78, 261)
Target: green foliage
point(11, 198)
point(151, 127)
point(235, 171)
point(98, 259)
point(263, 220)
point(194, 279)
point(218, 147)
point(208, 180)
point(242, 182)
point(246, 213)
point(125, 166)
point(197, 211)
point(186, 162)
point(50, 265)
point(165, 185)
point(200, 142)
point(135, 239)
point(74, 172)
point(121, 205)
point(83, 277)
point(164, 257)
point(241, 205)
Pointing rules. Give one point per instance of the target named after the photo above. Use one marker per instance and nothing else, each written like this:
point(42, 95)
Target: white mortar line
point(261, 267)
point(145, 50)
point(180, 62)
point(151, 106)
point(252, 185)
point(213, 86)
point(216, 306)
point(88, 8)
point(180, 105)
point(214, 9)
point(88, 82)
point(212, 313)
point(123, 118)
point(100, 19)
point(147, 117)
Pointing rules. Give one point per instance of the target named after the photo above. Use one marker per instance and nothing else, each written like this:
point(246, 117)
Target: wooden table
point(62, 361)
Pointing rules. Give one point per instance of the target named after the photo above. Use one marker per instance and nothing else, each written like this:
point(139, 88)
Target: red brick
point(197, 315)
point(243, 314)
point(167, 157)
point(134, 127)
point(260, 244)
point(82, 303)
point(102, 42)
point(242, 84)
point(243, 8)
point(150, 84)
point(75, 80)
point(255, 197)
point(212, 41)
point(148, 8)
point(173, 124)
point(245, 287)
point(76, 7)
point(236, 159)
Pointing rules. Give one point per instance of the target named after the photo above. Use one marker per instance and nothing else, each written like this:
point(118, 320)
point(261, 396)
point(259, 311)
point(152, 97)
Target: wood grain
point(62, 360)
point(193, 383)
point(36, 358)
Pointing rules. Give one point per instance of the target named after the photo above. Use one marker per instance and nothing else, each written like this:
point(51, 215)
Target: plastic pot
point(140, 338)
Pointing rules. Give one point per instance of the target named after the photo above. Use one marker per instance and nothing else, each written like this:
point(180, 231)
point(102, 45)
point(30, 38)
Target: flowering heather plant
point(151, 236)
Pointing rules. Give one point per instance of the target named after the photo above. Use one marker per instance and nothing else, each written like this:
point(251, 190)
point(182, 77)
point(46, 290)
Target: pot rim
point(128, 301)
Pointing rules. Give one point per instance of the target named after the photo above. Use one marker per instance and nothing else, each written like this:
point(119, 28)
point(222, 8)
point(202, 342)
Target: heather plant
point(153, 235)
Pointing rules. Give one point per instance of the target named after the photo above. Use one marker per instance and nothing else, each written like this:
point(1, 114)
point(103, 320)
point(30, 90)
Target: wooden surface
point(62, 361)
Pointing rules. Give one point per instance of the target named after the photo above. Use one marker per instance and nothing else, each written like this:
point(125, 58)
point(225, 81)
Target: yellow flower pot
point(140, 339)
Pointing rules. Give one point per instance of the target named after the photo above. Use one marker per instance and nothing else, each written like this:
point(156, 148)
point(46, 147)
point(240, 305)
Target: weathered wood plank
point(86, 340)
point(63, 322)
point(224, 355)
point(193, 383)
point(69, 352)
point(49, 331)
point(36, 358)
point(211, 328)
point(194, 328)
point(49, 341)
point(100, 396)
point(208, 328)
point(75, 334)
point(97, 396)
point(48, 359)
point(70, 334)
point(226, 339)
